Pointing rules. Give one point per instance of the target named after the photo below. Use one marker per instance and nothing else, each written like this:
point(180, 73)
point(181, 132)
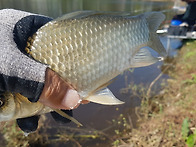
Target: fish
point(14, 106)
point(88, 49)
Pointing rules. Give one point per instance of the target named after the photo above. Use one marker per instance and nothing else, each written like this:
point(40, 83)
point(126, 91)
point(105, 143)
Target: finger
point(57, 93)
point(71, 99)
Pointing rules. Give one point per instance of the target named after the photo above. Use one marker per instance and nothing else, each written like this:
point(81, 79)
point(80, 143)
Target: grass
point(169, 119)
point(63, 136)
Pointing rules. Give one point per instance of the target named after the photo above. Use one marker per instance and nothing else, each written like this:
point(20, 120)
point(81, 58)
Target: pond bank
point(169, 119)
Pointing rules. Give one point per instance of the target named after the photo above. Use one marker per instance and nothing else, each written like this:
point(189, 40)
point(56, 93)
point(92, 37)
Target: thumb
point(57, 93)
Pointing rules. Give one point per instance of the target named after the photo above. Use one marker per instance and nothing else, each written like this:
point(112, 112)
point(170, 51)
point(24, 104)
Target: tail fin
point(154, 19)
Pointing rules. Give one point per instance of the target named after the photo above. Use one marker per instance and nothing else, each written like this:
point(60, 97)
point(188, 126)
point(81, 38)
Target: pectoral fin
point(63, 114)
point(143, 58)
point(105, 97)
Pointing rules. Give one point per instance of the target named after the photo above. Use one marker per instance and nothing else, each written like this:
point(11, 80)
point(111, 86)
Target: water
point(55, 8)
point(173, 45)
point(94, 116)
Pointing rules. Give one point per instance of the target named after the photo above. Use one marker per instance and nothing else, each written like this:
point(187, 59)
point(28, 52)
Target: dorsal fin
point(86, 13)
point(76, 15)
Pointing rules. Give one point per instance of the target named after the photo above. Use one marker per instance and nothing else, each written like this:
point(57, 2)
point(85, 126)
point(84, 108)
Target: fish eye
point(2, 100)
point(1, 103)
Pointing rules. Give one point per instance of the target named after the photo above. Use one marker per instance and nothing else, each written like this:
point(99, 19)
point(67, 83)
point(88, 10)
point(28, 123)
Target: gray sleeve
point(16, 69)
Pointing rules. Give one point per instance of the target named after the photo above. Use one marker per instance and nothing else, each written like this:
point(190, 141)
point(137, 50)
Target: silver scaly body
point(89, 49)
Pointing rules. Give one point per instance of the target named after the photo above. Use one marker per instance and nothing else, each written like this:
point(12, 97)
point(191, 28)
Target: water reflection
point(55, 8)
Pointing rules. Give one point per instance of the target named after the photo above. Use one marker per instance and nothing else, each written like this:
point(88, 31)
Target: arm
point(21, 74)
point(18, 73)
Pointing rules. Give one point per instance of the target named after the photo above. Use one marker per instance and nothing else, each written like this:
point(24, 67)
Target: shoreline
point(169, 119)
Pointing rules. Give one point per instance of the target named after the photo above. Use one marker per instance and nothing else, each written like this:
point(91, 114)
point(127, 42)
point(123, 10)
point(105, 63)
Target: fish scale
point(90, 50)
point(72, 58)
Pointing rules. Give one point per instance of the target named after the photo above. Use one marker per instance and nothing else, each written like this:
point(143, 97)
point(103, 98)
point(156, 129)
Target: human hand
point(21, 74)
point(57, 93)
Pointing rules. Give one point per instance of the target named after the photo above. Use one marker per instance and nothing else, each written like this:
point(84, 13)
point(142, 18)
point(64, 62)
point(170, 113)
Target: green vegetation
point(188, 136)
point(169, 119)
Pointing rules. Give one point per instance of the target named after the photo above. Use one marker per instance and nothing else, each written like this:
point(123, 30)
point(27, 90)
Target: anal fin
point(105, 97)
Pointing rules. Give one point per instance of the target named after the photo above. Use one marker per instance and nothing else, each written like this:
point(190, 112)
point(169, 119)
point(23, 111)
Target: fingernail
point(71, 99)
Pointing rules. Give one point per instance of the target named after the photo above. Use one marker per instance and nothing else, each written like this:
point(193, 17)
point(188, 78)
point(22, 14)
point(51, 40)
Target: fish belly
point(91, 51)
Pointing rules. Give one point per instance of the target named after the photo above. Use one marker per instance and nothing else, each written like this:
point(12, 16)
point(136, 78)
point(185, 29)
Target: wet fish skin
point(88, 49)
point(14, 106)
